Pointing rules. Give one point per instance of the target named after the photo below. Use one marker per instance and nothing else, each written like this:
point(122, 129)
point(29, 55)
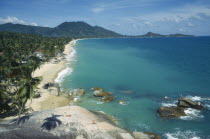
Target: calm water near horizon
point(142, 71)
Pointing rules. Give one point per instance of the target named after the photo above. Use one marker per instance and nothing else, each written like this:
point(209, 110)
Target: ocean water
point(142, 72)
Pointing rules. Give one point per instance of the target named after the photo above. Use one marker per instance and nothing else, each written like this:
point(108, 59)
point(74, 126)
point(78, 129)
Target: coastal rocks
point(96, 88)
point(171, 112)
point(101, 94)
point(153, 136)
point(180, 109)
point(98, 92)
point(122, 102)
point(140, 135)
point(124, 136)
point(77, 91)
point(107, 98)
point(80, 92)
point(67, 122)
point(184, 104)
point(188, 103)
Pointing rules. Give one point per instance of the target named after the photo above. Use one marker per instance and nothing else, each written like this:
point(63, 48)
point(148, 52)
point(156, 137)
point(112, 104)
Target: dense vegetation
point(66, 29)
point(18, 60)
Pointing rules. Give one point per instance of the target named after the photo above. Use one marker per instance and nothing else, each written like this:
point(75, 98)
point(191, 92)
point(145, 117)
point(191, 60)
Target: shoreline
point(49, 71)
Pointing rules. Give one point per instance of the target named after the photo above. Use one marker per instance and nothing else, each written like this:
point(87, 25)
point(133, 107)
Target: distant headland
point(77, 29)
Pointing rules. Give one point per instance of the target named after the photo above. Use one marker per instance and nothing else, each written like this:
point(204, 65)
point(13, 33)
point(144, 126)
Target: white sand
point(49, 71)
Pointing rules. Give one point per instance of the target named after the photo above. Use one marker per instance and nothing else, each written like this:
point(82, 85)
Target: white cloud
point(190, 24)
point(34, 24)
point(97, 10)
point(181, 29)
point(176, 15)
point(121, 4)
point(11, 19)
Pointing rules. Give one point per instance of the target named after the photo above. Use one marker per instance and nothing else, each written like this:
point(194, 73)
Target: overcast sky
point(130, 17)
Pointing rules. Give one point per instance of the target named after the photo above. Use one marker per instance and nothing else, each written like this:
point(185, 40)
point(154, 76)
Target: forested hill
point(67, 29)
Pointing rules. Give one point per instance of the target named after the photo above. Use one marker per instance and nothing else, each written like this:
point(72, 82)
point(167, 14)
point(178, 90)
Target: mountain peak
point(78, 29)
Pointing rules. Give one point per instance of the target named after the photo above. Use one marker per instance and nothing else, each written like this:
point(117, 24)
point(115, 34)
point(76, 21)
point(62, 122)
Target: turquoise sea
point(142, 72)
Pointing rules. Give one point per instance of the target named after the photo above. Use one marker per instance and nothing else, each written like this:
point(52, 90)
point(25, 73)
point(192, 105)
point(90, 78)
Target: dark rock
point(171, 112)
point(48, 85)
point(107, 98)
point(188, 103)
point(153, 136)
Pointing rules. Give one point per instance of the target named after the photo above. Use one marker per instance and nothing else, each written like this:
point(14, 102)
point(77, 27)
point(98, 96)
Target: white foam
point(191, 114)
point(99, 102)
point(168, 104)
point(68, 70)
point(62, 74)
point(182, 135)
point(195, 98)
point(76, 98)
point(71, 55)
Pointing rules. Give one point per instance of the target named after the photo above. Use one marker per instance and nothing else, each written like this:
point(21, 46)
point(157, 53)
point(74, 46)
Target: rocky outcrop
point(179, 110)
point(188, 103)
point(99, 92)
point(122, 102)
point(124, 136)
point(171, 112)
point(153, 136)
point(107, 98)
point(64, 122)
point(140, 135)
point(75, 92)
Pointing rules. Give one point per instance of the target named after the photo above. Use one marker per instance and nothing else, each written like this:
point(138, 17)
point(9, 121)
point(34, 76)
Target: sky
point(128, 17)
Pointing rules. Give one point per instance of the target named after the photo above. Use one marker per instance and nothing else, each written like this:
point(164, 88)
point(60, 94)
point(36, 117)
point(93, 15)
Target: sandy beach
point(49, 71)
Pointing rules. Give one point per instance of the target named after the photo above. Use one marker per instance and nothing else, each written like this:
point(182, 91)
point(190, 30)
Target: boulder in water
point(171, 112)
point(75, 92)
point(188, 103)
point(99, 93)
point(107, 98)
point(122, 102)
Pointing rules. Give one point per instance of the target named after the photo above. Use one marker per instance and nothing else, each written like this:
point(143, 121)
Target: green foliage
point(18, 60)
